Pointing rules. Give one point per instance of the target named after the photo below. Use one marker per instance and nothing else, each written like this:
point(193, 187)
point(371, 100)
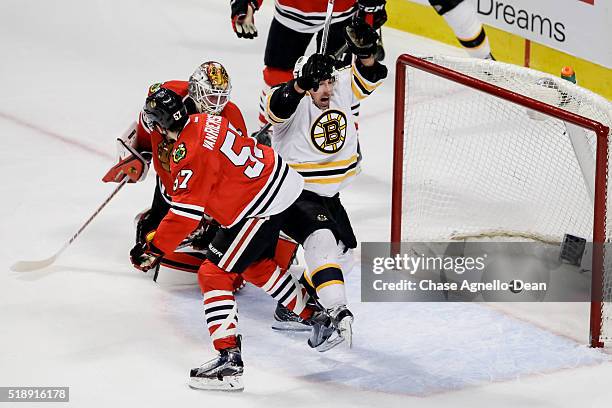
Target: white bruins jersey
point(322, 145)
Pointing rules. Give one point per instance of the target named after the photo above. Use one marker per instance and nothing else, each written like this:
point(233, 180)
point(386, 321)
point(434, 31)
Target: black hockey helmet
point(166, 109)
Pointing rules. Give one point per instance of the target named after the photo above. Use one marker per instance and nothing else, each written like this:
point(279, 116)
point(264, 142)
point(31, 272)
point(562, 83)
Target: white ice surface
point(73, 74)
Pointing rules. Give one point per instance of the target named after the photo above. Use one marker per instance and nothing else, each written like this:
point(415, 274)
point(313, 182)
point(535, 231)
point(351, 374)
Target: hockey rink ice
point(74, 74)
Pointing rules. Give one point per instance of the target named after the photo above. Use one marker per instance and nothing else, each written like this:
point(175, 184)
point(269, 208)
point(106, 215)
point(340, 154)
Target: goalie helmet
point(210, 87)
point(166, 109)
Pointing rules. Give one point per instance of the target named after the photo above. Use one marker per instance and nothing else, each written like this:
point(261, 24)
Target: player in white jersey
point(295, 22)
point(294, 25)
point(314, 131)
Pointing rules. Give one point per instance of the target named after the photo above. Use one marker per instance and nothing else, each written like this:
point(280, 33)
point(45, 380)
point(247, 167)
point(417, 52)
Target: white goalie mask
point(210, 87)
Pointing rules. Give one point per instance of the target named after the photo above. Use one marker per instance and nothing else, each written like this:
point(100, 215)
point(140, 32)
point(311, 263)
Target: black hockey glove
point(318, 68)
point(262, 137)
point(243, 20)
point(204, 234)
point(361, 38)
point(145, 256)
point(145, 224)
point(372, 12)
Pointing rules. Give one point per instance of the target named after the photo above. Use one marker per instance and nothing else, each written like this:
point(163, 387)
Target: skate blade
point(328, 344)
point(228, 384)
point(291, 326)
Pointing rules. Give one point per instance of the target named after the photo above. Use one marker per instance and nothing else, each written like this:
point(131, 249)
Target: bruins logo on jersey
point(328, 133)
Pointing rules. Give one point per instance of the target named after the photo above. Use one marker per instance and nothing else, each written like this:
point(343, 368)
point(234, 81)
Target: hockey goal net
point(487, 149)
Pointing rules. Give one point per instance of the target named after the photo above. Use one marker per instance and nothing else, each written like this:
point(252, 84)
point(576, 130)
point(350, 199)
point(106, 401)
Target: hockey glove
point(372, 12)
point(204, 234)
point(145, 256)
point(318, 68)
point(134, 166)
point(361, 39)
point(262, 137)
point(145, 224)
point(243, 20)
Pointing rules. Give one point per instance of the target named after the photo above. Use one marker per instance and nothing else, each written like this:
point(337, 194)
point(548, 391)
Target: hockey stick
point(261, 131)
point(27, 266)
point(328, 18)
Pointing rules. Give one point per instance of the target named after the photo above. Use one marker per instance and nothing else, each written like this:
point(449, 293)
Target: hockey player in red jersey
point(249, 190)
point(207, 90)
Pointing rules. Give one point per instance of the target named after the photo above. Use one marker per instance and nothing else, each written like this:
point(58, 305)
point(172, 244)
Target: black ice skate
point(286, 320)
point(223, 373)
point(331, 328)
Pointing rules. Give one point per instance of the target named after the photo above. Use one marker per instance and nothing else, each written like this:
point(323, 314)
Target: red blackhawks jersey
point(224, 175)
point(151, 140)
point(308, 16)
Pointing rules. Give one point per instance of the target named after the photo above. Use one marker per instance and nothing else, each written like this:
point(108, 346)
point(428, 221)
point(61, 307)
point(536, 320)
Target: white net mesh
point(475, 164)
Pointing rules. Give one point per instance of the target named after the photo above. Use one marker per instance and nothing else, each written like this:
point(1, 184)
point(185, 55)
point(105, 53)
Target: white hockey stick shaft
point(328, 18)
point(27, 266)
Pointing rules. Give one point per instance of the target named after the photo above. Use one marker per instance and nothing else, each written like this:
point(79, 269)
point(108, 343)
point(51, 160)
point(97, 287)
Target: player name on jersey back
point(211, 131)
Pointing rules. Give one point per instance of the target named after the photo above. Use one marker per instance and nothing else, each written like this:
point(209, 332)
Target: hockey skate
point(286, 320)
point(223, 373)
point(342, 319)
point(331, 328)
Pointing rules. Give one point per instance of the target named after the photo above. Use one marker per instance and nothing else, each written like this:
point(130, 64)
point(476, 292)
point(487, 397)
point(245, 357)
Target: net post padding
point(600, 194)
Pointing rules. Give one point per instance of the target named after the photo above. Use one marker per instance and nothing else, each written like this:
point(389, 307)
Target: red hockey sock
point(280, 285)
point(220, 307)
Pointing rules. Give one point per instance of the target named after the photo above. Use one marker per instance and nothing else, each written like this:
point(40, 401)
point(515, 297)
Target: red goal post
point(487, 81)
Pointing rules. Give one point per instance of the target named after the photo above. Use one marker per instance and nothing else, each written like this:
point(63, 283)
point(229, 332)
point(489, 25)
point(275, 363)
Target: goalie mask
point(210, 87)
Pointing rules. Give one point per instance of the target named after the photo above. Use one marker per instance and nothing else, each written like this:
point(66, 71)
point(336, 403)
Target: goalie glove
point(361, 38)
point(243, 20)
point(134, 166)
point(145, 255)
point(372, 12)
